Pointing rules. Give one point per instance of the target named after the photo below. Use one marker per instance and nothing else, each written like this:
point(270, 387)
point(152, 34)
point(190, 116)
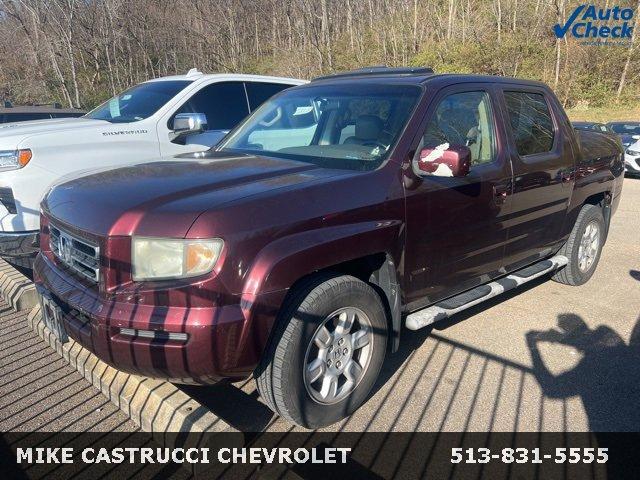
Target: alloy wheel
point(588, 248)
point(338, 355)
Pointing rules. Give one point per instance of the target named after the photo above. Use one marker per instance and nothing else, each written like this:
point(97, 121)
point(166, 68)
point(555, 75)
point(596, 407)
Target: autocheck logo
point(596, 25)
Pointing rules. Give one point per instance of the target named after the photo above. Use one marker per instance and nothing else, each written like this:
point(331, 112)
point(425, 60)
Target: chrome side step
point(458, 303)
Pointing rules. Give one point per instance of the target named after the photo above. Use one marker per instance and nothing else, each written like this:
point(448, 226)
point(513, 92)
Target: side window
point(531, 122)
point(224, 104)
point(463, 118)
point(259, 92)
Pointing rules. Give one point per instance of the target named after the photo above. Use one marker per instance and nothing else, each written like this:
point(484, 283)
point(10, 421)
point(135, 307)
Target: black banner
point(321, 455)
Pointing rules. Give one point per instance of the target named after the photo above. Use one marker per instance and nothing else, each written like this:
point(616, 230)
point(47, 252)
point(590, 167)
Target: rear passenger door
point(542, 158)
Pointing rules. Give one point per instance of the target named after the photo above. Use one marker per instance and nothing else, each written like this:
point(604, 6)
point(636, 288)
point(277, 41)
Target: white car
point(632, 159)
point(158, 118)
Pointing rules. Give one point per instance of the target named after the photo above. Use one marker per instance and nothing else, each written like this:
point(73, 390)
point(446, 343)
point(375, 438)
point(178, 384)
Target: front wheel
point(326, 351)
point(583, 247)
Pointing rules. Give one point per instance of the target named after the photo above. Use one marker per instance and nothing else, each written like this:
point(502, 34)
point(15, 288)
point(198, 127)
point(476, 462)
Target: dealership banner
point(320, 455)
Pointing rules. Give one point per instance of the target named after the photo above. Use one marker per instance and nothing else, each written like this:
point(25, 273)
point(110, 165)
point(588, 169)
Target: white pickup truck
point(158, 118)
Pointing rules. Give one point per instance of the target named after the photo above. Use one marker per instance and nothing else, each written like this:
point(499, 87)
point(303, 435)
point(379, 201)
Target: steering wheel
point(375, 143)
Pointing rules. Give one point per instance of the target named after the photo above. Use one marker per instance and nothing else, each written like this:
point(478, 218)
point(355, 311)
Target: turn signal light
point(24, 157)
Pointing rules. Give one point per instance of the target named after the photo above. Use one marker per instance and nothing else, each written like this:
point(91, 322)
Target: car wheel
point(583, 247)
point(326, 351)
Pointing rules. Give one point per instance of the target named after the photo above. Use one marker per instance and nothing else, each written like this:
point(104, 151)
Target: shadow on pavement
point(607, 379)
point(240, 410)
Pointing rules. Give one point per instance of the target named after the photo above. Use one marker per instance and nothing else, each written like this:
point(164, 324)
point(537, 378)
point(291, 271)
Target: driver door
point(456, 233)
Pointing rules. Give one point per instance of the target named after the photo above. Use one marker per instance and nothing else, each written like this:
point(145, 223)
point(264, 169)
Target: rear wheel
point(583, 247)
point(326, 351)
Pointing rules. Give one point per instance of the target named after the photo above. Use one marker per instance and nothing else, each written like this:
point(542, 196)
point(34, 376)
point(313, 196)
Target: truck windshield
point(138, 102)
point(346, 126)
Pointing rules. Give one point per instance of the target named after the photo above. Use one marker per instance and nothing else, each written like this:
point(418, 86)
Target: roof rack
point(380, 70)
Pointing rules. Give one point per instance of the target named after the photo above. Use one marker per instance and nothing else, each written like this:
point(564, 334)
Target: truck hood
point(165, 197)
point(11, 134)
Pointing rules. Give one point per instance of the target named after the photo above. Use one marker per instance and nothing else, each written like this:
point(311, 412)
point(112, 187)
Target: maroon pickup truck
point(337, 213)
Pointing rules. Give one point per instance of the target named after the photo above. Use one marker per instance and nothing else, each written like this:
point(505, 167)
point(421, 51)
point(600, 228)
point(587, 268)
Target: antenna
point(193, 72)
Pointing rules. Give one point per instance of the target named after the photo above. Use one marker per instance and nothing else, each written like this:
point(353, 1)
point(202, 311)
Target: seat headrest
point(368, 127)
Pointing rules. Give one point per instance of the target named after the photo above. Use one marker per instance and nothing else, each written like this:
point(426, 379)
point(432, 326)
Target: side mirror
point(189, 123)
point(445, 160)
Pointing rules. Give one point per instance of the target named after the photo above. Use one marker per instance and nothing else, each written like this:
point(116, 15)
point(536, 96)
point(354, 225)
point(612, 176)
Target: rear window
point(531, 122)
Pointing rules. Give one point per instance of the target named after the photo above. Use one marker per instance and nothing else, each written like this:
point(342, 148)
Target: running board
point(458, 303)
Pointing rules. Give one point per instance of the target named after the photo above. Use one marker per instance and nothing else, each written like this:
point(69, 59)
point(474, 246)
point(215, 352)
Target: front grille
point(79, 255)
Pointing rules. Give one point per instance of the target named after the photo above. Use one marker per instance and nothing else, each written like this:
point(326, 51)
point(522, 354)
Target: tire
point(284, 377)
point(574, 272)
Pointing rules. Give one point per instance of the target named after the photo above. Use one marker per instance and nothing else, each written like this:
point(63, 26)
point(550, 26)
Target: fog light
point(154, 334)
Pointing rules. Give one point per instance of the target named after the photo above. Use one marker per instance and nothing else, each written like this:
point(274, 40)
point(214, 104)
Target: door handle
point(500, 193)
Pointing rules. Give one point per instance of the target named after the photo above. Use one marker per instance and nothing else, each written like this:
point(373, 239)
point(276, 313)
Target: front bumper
point(222, 342)
point(631, 164)
point(19, 244)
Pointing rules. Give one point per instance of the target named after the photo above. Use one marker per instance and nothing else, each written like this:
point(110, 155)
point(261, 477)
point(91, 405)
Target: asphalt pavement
point(39, 391)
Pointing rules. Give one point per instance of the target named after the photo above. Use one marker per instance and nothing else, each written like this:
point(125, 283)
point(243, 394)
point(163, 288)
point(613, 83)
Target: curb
point(16, 289)
point(156, 406)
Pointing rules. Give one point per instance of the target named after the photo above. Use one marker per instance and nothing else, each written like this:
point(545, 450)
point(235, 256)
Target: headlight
point(157, 259)
point(14, 158)
point(633, 153)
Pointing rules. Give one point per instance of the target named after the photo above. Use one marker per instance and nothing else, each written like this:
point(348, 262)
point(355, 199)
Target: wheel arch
point(602, 199)
point(379, 271)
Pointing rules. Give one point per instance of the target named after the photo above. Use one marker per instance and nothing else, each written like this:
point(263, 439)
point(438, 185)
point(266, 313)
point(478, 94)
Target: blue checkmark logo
point(561, 31)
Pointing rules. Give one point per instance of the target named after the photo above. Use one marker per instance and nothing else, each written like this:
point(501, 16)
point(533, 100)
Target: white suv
point(632, 158)
point(158, 118)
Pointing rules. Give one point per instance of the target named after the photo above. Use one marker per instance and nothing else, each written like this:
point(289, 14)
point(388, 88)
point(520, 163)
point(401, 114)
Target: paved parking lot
point(40, 392)
point(548, 357)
